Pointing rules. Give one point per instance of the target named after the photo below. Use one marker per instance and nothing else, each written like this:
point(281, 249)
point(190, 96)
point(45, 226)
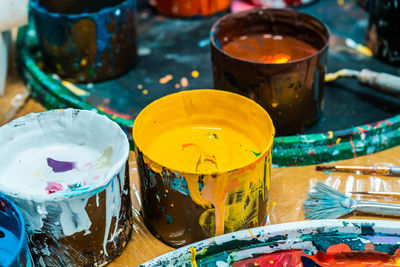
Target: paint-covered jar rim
point(32, 126)
point(20, 219)
point(36, 7)
point(285, 236)
point(216, 44)
point(268, 131)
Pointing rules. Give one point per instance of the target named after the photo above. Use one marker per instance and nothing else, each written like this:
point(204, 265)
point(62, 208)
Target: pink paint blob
point(53, 187)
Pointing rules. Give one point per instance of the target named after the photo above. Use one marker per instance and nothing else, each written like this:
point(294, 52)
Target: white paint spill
point(113, 207)
point(74, 217)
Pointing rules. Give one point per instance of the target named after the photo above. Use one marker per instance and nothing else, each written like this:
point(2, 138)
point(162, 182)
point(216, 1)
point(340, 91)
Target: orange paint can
point(190, 8)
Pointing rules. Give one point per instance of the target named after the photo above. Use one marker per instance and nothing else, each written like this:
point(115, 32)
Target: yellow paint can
point(204, 161)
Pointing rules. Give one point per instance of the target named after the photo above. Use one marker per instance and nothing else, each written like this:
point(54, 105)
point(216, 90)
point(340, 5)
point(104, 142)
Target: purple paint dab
point(60, 166)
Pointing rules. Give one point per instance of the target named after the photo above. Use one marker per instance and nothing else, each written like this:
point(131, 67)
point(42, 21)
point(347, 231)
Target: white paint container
point(5, 41)
point(13, 13)
point(67, 170)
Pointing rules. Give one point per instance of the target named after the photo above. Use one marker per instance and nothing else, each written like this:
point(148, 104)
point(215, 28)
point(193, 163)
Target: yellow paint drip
point(193, 260)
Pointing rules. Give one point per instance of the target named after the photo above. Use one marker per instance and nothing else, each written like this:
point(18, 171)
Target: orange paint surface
point(188, 8)
point(276, 59)
point(267, 48)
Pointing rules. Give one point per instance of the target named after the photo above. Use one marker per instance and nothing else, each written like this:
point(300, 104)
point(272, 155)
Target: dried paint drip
point(268, 48)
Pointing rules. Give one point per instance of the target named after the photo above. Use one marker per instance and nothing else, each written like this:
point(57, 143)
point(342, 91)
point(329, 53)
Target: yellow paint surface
point(201, 148)
point(221, 138)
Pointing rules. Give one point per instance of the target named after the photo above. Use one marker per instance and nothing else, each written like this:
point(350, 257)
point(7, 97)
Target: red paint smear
point(238, 5)
point(293, 2)
point(362, 130)
point(3, 206)
point(184, 146)
point(339, 248)
point(354, 148)
point(282, 258)
point(337, 255)
point(53, 187)
point(113, 112)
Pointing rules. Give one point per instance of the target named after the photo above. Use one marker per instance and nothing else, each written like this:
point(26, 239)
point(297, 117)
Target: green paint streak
point(91, 71)
point(169, 219)
point(222, 252)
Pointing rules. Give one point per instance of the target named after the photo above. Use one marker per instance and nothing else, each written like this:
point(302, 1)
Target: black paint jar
point(291, 92)
point(383, 36)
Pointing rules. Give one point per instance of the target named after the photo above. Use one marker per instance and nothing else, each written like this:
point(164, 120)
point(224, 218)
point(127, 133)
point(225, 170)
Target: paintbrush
point(374, 193)
point(382, 82)
point(384, 170)
point(324, 202)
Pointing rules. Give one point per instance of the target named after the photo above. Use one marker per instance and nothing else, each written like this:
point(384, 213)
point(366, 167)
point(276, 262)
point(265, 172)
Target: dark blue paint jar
point(14, 250)
point(383, 36)
point(82, 41)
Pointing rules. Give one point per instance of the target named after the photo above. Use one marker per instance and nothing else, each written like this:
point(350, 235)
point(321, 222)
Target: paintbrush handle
point(395, 171)
point(383, 82)
point(377, 208)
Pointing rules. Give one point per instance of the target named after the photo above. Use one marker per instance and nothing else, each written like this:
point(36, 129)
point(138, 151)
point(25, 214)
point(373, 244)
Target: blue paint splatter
point(180, 185)
point(307, 262)
point(203, 43)
point(169, 219)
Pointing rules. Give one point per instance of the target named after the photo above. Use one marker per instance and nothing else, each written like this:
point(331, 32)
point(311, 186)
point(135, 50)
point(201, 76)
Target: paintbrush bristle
point(324, 202)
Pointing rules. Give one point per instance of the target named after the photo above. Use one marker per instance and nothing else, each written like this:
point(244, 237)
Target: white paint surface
point(28, 171)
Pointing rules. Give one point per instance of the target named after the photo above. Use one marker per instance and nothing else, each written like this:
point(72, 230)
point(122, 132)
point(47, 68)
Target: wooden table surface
point(289, 186)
